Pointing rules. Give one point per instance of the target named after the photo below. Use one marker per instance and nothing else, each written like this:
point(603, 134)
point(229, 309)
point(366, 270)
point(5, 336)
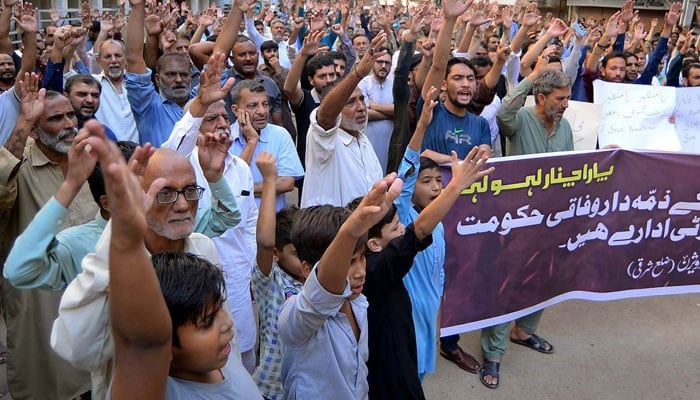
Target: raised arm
point(5, 18)
point(265, 234)
point(31, 107)
point(226, 39)
point(333, 103)
point(556, 28)
point(332, 269)
point(451, 10)
point(308, 50)
point(463, 175)
point(135, 62)
point(26, 19)
point(604, 42)
point(141, 324)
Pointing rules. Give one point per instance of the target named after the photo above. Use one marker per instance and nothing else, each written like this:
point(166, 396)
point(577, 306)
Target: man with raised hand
point(340, 161)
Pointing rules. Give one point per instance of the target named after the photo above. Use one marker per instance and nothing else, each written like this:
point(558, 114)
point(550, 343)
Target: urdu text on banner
point(542, 229)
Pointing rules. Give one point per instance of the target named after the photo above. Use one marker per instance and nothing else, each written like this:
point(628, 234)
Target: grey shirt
point(525, 129)
point(321, 356)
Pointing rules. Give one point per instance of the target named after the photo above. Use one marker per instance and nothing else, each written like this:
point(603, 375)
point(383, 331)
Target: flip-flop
point(490, 368)
point(535, 343)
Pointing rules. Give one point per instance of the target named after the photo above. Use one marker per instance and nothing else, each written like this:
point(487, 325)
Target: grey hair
point(548, 81)
point(250, 84)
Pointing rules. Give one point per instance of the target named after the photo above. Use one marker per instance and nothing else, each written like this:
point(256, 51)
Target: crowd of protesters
point(148, 155)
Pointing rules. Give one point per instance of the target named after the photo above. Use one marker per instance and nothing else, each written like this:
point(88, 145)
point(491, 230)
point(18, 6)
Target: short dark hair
point(376, 230)
point(81, 78)
point(167, 57)
point(269, 45)
point(194, 289)
point(428, 163)
point(359, 34)
point(481, 61)
point(317, 62)
point(283, 226)
point(610, 56)
point(96, 180)
point(337, 55)
point(688, 66)
point(458, 60)
point(315, 228)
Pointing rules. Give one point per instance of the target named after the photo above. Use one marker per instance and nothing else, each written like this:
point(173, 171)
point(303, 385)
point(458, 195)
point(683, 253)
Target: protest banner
point(648, 117)
point(542, 229)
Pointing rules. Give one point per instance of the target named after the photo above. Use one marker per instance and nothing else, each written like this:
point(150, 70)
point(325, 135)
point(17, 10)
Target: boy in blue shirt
point(324, 328)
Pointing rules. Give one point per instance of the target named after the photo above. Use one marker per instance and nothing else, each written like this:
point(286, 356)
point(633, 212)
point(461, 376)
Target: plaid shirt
point(270, 293)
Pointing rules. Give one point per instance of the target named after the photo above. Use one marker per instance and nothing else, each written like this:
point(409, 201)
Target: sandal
point(535, 343)
point(490, 368)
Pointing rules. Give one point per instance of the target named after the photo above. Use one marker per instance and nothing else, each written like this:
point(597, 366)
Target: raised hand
point(107, 24)
point(210, 89)
point(311, 43)
point(469, 170)
point(627, 12)
point(167, 40)
point(53, 15)
point(557, 28)
point(364, 67)
point(212, 151)
point(455, 8)
point(531, 17)
point(338, 29)
point(673, 14)
point(31, 97)
point(267, 165)
point(430, 99)
point(81, 163)
point(639, 33)
point(25, 18)
point(373, 206)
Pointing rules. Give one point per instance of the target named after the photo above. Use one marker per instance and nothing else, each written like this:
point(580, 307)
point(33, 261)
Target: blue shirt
point(448, 132)
point(155, 116)
point(41, 257)
point(275, 140)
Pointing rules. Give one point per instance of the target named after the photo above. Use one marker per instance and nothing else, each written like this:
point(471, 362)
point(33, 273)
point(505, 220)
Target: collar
point(239, 77)
point(236, 133)
point(316, 95)
point(347, 138)
point(536, 117)
point(37, 158)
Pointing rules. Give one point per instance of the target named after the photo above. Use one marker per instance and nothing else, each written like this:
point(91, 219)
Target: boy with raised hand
point(324, 328)
point(393, 368)
point(276, 277)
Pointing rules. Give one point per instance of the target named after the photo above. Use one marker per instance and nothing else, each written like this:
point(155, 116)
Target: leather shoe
point(462, 359)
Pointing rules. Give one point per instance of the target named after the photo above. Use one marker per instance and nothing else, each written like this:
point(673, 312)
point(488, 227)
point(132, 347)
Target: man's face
point(175, 81)
point(260, 28)
point(641, 61)
point(112, 60)
point(216, 120)
point(381, 67)
point(85, 100)
point(50, 31)
point(556, 103)
point(269, 53)
point(375, 28)
point(481, 72)
point(57, 126)
point(277, 30)
point(182, 46)
point(173, 221)
point(354, 114)
point(256, 105)
point(339, 67)
point(459, 85)
point(632, 68)
point(693, 78)
point(323, 76)
point(245, 58)
point(493, 44)
point(360, 43)
point(614, 70)
point(481, 51)
point(7, 68)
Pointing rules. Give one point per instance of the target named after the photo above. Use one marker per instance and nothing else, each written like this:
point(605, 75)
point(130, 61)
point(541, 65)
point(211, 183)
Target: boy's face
point(204, 348)
point(357, 272)
point(390, 231)
point(289, 262)
point(428, 187)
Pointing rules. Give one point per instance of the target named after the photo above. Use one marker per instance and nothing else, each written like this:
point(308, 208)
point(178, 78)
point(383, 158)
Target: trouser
point(494, 339)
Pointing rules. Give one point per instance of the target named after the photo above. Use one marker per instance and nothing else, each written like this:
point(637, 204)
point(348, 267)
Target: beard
point(169, 93)
point(350, 124)
point(58, 141)
point(171, 231)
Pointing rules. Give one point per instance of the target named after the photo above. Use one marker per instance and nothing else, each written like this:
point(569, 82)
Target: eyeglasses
point(168, 196)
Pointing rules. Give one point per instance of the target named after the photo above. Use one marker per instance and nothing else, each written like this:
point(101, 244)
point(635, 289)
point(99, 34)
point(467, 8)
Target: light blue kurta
point(426, 278)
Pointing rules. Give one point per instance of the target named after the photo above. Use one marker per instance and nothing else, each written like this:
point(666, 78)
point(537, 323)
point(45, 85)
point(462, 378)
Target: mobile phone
point(579, 28)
